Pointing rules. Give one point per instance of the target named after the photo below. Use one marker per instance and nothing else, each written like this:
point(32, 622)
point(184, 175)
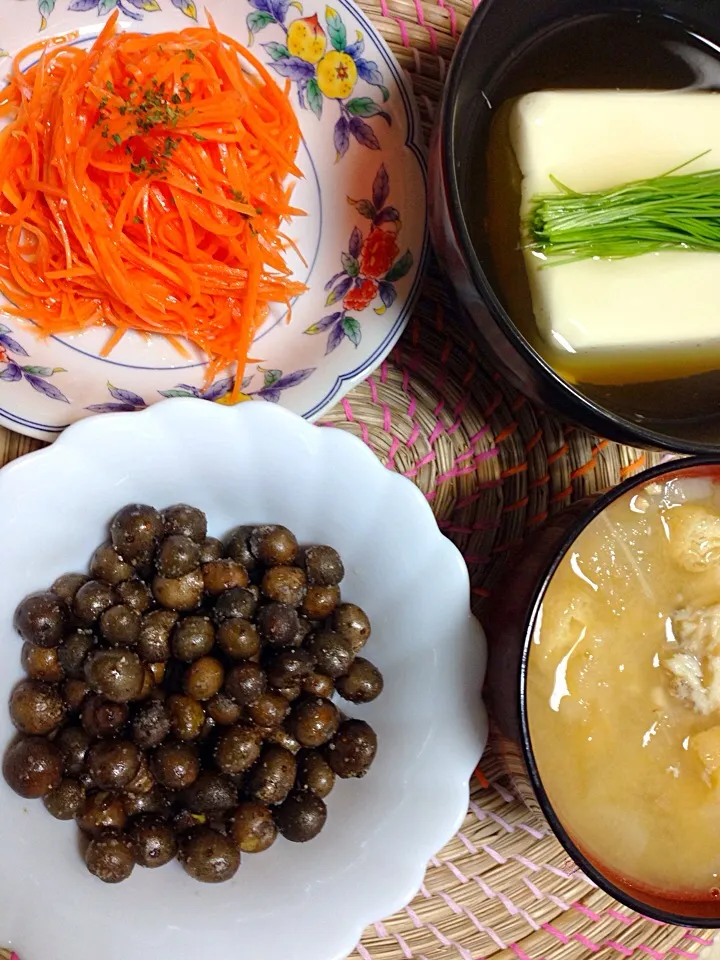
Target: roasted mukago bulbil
point(178, 700)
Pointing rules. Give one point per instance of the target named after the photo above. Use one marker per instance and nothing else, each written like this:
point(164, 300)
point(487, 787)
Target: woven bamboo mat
point(493, 467)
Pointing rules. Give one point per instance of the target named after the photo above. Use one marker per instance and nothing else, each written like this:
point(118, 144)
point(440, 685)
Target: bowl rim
point(666, 468)
point(578, 405)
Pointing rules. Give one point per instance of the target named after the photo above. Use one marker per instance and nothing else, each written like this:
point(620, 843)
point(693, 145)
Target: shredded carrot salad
point(144, 185)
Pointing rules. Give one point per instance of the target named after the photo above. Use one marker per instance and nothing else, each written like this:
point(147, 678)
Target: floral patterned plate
point(364, 237)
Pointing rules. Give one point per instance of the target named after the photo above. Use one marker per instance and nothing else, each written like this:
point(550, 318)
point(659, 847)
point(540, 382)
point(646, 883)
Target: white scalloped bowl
point(253, 463)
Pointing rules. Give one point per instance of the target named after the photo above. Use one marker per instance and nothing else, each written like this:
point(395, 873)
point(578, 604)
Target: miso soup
point(623, 689)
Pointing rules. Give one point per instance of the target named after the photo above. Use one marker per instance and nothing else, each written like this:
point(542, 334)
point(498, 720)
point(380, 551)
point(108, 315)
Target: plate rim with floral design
point(369, 174)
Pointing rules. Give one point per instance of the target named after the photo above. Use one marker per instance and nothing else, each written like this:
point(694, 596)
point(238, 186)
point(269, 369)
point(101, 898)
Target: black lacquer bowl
point(516, 604)
point(683, 414)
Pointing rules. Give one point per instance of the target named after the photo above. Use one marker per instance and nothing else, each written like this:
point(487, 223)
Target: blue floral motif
point(124, 401)
point(323, 72)
point(135, 9)
point(13, 372)
point(274, 382)
point(216, 392)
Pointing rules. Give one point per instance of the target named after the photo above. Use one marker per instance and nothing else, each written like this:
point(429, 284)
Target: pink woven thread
point(533, 831)
point(456, 908)
point(414, 357)
point(655, 954)
point(435, 433)
point(466, 842)
point(549, 928)
point(615, 945)
point(401, 23)
point(512, 908)
point(619, 916)
point(459, 909)
point(437, 430)
point(373, 389)
point(460, 408)
point(520, 954)
point(414, 918)
point(586, 942)
point(625, 951)
point(446, 941)
point(515, 910)
point(387, 418)
point(384, 933)
point(488, 931)
point(701, 940)
point(453, 21)
point(575, 874)
point(587, 911)
point(541, 895)
point(502, 792)
point(407, 952)
point(455, 870)
point(472, 498)
point(421, 20)
point(470, 468)
point(476, 437)
point(497, 857)
point(508, 827)
point(394, 447)
point(413, 471)
point(477, 459)
point(628, 920)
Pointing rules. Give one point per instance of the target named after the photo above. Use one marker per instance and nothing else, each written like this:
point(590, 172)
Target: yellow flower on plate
point(306, 39)
point(227, 400)
point(337, 75)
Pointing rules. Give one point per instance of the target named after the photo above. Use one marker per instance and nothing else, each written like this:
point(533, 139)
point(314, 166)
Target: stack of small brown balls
point(178, 699)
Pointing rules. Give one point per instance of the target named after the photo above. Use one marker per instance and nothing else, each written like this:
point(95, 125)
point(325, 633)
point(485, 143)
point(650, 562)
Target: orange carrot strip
point(144, 186)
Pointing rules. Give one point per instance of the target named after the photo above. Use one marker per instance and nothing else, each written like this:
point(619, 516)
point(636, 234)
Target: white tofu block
point(593, 140)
